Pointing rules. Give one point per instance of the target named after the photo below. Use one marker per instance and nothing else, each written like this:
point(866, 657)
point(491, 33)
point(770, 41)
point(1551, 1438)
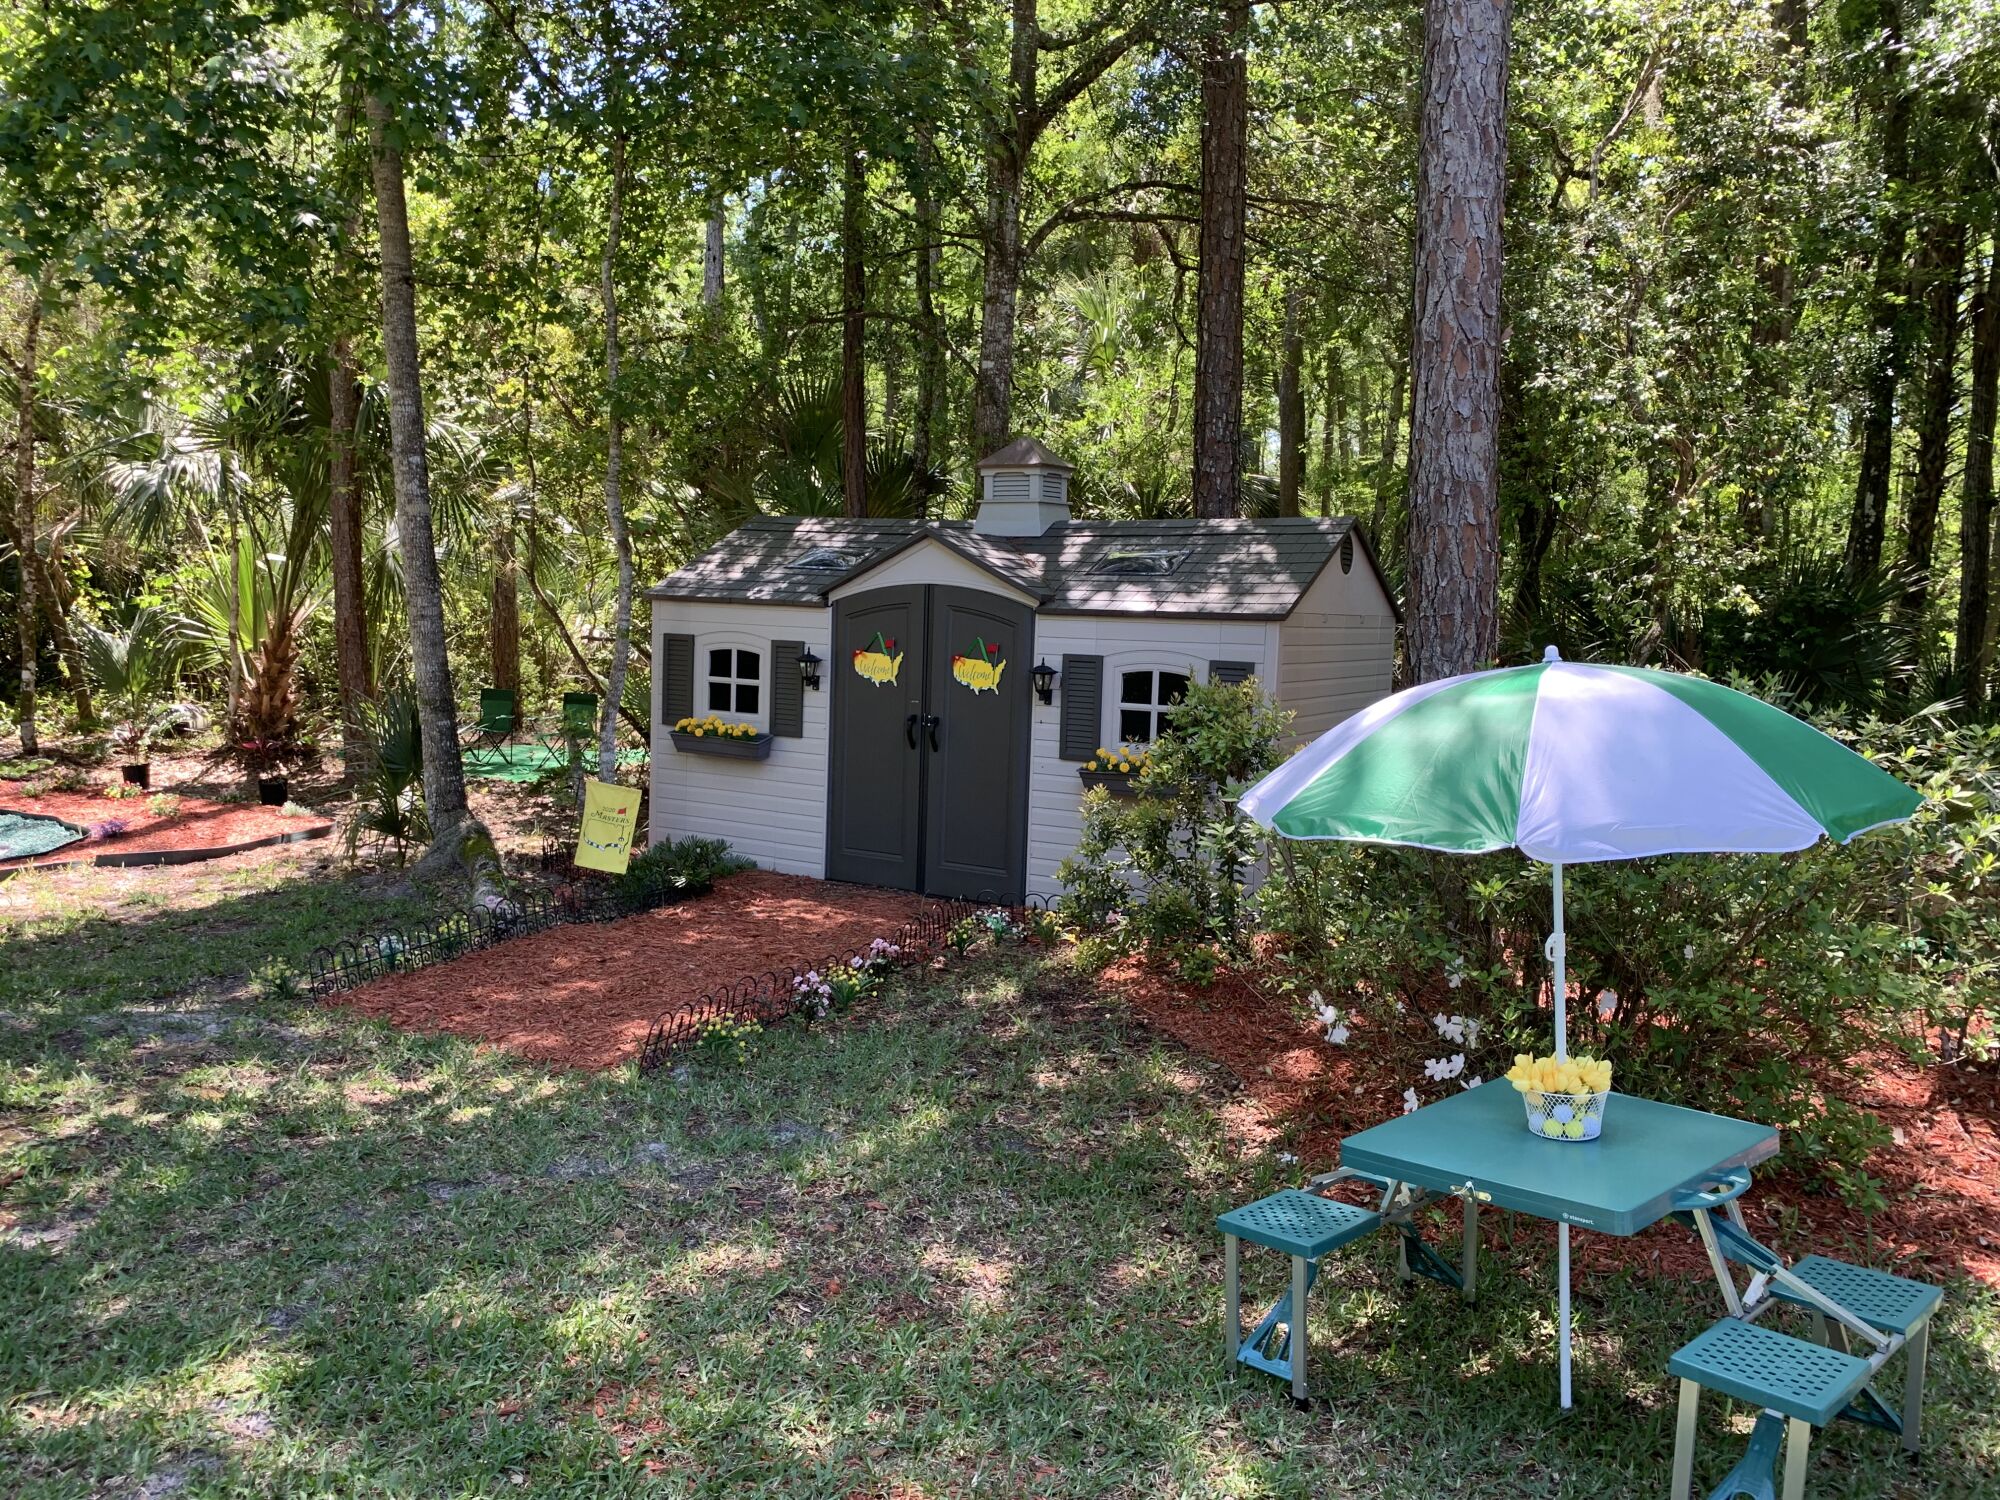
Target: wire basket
point(1565, 1117)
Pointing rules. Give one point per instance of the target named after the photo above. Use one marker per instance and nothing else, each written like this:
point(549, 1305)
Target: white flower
point(1473, 1082)
point(1337, 1034)
point(1399, 1007)
point(1454, 980)
point(1287, 1159)
point(1409, 1101)
point(1328, 1014)
point(1437, 1069)
point(1471, 1031)
point(1688, 951)
point(1451, 1028)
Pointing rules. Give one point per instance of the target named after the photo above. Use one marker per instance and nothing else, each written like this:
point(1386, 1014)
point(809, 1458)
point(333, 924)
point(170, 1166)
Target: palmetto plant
point(134, 665)
point(796, 468)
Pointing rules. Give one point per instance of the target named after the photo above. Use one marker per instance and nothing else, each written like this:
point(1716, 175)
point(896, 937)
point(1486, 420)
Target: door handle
point(931, 723)
point(910, 730)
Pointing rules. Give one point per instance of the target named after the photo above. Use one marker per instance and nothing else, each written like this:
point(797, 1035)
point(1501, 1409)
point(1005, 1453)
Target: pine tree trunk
point(1975, 535)
point(853, 339)
point(1944, 273)
point(1392, 433)
point(614, 475)
point(1329, 426)
point(503, 618)
point(444, 772)
point(1218, 347)
point(350, 604)
point(993, 386)
point(1868, 521)
point(1454, 555)
point(1291, 407)
point(27, 525)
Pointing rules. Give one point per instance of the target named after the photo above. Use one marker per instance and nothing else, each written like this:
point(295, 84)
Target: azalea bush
point(1755, 985)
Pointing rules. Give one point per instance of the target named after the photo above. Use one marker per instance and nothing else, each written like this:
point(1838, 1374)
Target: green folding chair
point(579, 715)
point(498, 718)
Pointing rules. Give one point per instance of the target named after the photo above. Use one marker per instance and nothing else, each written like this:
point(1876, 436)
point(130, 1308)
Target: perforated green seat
point(1298, 1223)
point(1803, 1380)
point(1894, 1304)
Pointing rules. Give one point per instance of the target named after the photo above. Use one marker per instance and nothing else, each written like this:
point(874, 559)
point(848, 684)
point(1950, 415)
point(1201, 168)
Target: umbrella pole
point(1559, 957)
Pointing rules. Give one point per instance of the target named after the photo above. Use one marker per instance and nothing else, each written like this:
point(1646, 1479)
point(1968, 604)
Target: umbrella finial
point(1549, 653)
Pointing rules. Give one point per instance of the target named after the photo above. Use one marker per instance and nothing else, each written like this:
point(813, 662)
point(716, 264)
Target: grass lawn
point(958, 1245)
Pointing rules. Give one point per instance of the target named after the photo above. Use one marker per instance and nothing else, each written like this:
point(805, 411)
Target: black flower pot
point(139, 773)
point(273, 791)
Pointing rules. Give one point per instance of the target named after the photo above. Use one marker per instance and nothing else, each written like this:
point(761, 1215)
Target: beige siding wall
point(770, 811)
point(1329, 665)
point(1054, 794)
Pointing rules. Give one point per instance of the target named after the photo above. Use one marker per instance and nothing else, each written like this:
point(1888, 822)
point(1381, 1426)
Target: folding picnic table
point(1475, 1146)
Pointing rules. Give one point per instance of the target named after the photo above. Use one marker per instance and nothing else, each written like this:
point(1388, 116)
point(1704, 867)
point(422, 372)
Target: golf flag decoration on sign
point(610, 813)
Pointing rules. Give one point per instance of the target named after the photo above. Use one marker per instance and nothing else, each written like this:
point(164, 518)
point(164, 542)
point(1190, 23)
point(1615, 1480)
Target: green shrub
point(689, 866)
point(1166, 869)
point(1756, 985)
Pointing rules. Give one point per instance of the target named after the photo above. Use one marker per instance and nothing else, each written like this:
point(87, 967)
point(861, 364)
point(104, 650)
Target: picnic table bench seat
point(1305, 1227)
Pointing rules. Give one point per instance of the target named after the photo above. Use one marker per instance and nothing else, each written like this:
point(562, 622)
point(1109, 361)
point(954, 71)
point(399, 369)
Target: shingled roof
point(1239, 569)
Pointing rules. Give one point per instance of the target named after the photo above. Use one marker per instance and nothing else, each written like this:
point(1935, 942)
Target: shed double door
point(929, 757)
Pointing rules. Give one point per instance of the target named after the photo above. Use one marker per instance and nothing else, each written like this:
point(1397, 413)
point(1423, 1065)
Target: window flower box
point(1118, 771)
point(1118, 783)
point(713, 736)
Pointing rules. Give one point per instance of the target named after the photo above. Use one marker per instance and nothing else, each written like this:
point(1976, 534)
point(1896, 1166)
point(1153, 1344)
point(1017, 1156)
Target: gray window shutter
point(676, 660)
point(788, 690)
point(1231, 671)
point(1082, 687)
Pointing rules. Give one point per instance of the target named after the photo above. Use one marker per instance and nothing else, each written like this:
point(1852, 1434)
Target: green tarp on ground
point(532, 762)
point(24, 835)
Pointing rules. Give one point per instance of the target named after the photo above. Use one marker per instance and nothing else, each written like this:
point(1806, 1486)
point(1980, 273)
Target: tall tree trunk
point(1329, 426)
point(237, 665)
point(929, 422)
point(503, 617)
point(853, 338)
point(1975, 516)
point(1944, 273)
point(1888, 323)
point(444, 771)
point(711, 258)
point(614, 474)
point(1454, 556)
point(1218, 344)
point(1291, 406)
point(26, 523)
point(993, 385)
point(350, 604)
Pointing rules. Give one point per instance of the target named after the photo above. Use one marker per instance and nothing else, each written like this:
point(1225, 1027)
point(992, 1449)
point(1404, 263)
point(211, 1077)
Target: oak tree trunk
point(1454, 555)
point(503, 618)
point(853, 339)
point(1218, 347)
point(711, 258)
point(614, 474)
point(1944, 273)
point(350, 606)
point(1975, 535)
point(444, 772)
point(993, 384)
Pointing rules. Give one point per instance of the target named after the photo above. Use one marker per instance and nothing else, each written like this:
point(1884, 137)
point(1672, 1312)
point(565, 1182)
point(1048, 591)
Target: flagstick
point(1560, 956)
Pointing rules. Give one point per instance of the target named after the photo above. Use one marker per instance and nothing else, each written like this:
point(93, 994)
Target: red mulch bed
point(1941, 1177)
point(584, 996)
point(201, 824)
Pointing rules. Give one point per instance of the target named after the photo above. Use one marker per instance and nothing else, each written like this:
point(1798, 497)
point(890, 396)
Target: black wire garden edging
point(776, 994)
point(334, 967)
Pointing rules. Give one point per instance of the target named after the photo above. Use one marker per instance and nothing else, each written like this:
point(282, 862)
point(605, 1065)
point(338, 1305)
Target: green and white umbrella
point(1572, 763)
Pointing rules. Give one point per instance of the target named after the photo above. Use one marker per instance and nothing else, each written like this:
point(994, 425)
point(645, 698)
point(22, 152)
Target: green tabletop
point(1619, 1183)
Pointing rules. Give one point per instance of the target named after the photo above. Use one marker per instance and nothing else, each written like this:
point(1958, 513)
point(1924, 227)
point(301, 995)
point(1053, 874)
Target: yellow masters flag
point(610, 813)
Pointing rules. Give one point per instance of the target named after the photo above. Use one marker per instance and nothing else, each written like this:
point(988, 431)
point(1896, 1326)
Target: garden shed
point(910, 702)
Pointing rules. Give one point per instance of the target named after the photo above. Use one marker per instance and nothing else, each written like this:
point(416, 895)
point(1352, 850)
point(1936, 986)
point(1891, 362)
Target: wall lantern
point(1045, 681)
point(809, 669)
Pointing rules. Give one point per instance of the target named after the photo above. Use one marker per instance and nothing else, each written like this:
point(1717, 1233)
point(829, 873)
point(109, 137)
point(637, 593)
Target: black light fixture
point(1045, 681)
point(809, 669)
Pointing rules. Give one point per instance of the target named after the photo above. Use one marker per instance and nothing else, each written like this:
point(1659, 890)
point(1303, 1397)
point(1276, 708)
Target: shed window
point(735, 681)
point(1137, 562)
point(1146, 701)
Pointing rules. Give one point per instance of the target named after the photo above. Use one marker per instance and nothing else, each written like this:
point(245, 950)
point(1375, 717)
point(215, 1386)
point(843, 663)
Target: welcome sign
point(610, 813)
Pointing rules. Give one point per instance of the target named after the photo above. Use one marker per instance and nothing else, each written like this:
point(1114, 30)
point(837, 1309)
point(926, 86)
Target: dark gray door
point(928, 783)
point(875, 781)
point(976, 781)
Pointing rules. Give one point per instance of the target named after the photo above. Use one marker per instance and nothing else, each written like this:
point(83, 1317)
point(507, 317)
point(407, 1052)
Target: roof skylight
point(1138, 562)
point(823, 560)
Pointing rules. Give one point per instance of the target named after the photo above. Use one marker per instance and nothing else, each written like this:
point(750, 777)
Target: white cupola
point(1024, 490)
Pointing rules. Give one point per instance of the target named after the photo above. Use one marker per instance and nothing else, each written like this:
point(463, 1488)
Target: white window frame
point(1120, 705)
point(762, 682)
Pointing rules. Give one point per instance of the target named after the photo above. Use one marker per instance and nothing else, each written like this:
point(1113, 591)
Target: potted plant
point(132, 664)
point(266, 760)
point(712, 735)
